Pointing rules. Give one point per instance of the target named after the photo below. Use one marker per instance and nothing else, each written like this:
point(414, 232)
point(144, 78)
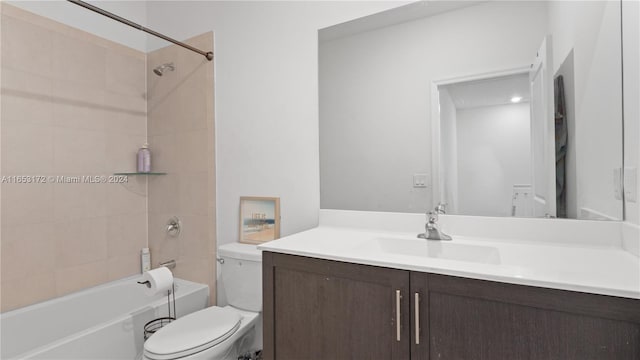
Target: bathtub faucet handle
point(146, 283)
point(174, 225)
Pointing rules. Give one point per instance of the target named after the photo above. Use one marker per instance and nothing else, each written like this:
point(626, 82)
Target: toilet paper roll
point(160, 280)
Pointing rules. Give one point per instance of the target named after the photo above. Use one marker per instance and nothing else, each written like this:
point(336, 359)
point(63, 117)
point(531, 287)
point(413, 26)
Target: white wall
point(266, 98)
point(448, 152)
point(83, 19)
point(494, 153)
point(631, 46)
point(592, 30)
point(370, 153)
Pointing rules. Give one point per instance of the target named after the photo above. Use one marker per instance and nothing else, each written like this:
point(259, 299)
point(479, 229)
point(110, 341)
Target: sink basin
point(433, 249)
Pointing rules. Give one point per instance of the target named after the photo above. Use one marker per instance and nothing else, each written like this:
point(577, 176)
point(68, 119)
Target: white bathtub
point(104, 322)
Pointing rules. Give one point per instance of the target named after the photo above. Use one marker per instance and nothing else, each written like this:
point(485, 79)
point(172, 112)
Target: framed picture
point(259, 219)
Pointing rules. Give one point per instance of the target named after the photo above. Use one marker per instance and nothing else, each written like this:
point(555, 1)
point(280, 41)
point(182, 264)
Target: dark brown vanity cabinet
point(322, 309)
point(319, 309)
point(477, 319)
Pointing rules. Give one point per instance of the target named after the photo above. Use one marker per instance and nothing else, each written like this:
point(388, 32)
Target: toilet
point(217, 333)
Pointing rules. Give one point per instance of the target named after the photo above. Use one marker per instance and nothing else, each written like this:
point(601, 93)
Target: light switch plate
point(617, 183)
point(631, 184)
point(419, 180)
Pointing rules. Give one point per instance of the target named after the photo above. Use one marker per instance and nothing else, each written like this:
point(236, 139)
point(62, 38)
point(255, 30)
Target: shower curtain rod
point(208, 55)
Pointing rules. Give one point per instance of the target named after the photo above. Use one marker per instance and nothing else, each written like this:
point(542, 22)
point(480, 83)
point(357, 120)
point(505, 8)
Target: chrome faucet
point(441, 208)
point(432, 230)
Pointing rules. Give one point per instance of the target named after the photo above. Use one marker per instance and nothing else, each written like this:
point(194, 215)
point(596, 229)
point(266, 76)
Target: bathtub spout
point(169, 264)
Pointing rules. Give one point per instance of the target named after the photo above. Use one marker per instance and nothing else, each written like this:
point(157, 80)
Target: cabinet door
point(476, 319)
point(322, 309)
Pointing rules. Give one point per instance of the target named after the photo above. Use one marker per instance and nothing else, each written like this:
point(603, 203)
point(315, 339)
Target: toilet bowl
point(217, 333)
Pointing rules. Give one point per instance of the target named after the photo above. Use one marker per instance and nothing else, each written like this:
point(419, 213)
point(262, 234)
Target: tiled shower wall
point(181, 137)
point(73, 104)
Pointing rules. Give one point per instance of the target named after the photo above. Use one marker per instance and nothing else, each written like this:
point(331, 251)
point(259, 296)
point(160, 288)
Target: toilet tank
point(241, 272)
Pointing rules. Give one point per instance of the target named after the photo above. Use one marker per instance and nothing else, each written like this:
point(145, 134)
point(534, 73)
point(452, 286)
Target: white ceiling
point(489, 92)
point(402, 14)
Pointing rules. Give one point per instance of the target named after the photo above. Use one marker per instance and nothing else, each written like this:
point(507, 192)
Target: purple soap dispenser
point(144, 159)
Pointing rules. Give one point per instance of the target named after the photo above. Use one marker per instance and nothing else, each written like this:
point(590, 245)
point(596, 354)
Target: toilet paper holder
point(156, 324)
point(170, 264)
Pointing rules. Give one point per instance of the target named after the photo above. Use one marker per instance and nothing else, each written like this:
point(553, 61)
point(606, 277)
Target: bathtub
point(104, 322)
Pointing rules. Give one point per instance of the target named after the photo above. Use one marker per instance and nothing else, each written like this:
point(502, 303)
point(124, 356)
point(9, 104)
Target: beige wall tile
point(76, 278)
point(78, 60)
point(26, 204)
point(126, 235)
point(126, 74)
point(79, 151)
point(24, 84)
point(163, 194)
point(192, 151)
point(79, 95)
point(72, 116)
point(25, 109)
point(164, 152)
point(127, 104)
point(77, 201)
point(122, 266)
point(25, 46)
point(91, 114)
point(198, 269)
point(127, 123)
point(180, 129)
point(27, 250)
point(27, 290)
point(54, 26)
point(192, 193)
point(77, 106)
point(76, 109)
point(80, 241)
point(165, 116)
point(194, 237)
point(194, 101)
point(26, 148)
point(127, 198)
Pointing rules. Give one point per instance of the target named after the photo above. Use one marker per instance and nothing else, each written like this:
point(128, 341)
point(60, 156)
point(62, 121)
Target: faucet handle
point(441, 208)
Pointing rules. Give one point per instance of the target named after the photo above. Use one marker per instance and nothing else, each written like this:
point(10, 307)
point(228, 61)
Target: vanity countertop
point(590, 268)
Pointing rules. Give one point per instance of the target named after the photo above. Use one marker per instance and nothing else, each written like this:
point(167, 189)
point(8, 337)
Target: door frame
point(435, 116)
point(542, 68)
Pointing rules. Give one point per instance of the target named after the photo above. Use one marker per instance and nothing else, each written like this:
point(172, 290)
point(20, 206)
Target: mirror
point(493, 108)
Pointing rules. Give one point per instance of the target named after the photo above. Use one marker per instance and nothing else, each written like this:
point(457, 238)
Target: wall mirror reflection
point(493, 108)
point(485, 161)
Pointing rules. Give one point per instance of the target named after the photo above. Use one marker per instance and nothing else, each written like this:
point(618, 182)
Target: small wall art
point(259, 219)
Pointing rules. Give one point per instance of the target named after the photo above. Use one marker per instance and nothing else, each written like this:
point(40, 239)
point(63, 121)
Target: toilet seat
point(193, 333)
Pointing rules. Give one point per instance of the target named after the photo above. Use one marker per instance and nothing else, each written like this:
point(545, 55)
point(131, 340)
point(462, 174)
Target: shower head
point(160, 69)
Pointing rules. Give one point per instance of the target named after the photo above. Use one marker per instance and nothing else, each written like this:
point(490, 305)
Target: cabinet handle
point(398, 297)
point(417, 319)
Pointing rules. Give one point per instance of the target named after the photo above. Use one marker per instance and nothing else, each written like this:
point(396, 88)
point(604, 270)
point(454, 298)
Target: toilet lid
point(193, 333)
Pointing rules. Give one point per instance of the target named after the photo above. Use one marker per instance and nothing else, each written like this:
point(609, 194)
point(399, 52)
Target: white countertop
point(585, 267)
